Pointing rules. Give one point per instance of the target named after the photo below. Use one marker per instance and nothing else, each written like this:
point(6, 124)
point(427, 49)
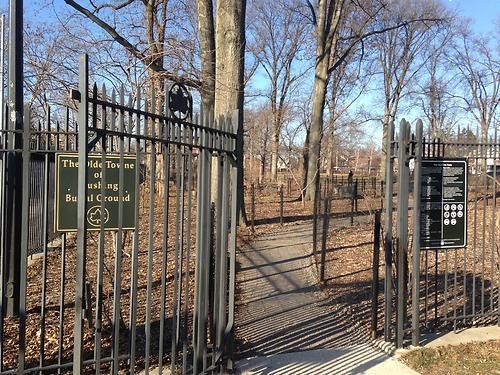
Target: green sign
point(66, 199)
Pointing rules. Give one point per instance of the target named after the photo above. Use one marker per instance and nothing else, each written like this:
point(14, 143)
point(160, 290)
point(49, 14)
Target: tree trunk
point(229, 68)
point(305, 160)
point(316, 131)
point(262, 169)
point(207, 50)
point(274, 154)
point(383, 156)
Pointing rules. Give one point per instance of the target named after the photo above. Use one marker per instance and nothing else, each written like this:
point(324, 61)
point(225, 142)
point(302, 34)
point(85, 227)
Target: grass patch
point(472, 358)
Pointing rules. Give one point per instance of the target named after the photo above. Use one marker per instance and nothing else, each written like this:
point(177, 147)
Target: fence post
point(13, 181)
point(315, 219)
point(81, 241)
point(388, 233)
point(417, 186)
point(375, 273)
point(354, 203)
point(281, 204)
point(252, 206)
point(356, 195)
point(324, 236)
point(381, 194)
point(402, 230)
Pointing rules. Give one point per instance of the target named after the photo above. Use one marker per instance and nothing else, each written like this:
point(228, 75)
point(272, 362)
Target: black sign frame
point(448, 213)
point(129, 219)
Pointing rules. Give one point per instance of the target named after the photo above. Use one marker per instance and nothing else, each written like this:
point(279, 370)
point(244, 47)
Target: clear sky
point(484, 13)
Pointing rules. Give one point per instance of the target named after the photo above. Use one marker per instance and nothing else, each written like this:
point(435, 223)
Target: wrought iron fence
point(447, 288)
point(135, 279)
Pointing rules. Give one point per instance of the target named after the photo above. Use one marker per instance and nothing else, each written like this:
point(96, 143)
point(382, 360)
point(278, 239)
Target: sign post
point(443, 218)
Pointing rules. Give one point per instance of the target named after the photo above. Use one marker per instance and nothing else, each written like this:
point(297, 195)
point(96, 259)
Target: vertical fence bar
point(252, 206)
point(388, 233)
point(206, 256)
point(45, 199)
point(475, 234)
point(494, 218)
point(24, 238)
point(356, 195)
point(375, 273)
point(119, 237)
point(228, 332)
point(188, 253)
point(315, 218)
point(2, 80)
point(149, 120)
point(81, 249)
point(135, 244)
point(101, 241)
point(493, 209)
point(417, 187)
point(222, 319)
point(324, 236)
point(3, 171)
point(217, 246)
point(484, 157)
point(165, 135)
point(281, 204)
point(179, 194)
point(14, 186)
point(60, 349)
point(402, 230)
point(199, 329)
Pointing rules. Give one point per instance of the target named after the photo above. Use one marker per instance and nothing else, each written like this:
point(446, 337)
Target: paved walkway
point(285, 312)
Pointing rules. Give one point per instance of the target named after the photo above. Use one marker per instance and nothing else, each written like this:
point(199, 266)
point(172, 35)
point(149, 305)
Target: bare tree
point(347, 84)
point(340, 27)
point(478, 63)
point(151, 44)
point(258, 132)
point(279, 37)
point(434, 97)
point(400, 53)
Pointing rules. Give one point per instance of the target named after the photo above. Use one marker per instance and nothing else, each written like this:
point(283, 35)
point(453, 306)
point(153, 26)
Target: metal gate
point(140, 272)
point(440, 289)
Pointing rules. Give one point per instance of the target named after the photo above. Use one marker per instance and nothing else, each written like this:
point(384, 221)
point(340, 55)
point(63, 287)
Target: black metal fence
point(446, 288)
point(122, 299)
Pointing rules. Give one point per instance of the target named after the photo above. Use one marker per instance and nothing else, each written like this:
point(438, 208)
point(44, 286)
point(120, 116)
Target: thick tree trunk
point(207, 50)
point(274, 154)
point(262, 169)
point(305, 160)
point(229, 68)
point(383, 156)
point(316, 131)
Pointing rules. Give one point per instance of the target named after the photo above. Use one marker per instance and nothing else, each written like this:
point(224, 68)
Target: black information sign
point(443, 220)
point(66, 199)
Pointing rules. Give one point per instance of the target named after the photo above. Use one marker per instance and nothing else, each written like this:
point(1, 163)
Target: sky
point(484, 13)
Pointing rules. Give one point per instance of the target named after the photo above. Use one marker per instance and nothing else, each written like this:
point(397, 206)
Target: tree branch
point(313, 13)
point(114, 7)
point(149, 62)
point(359, 38)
